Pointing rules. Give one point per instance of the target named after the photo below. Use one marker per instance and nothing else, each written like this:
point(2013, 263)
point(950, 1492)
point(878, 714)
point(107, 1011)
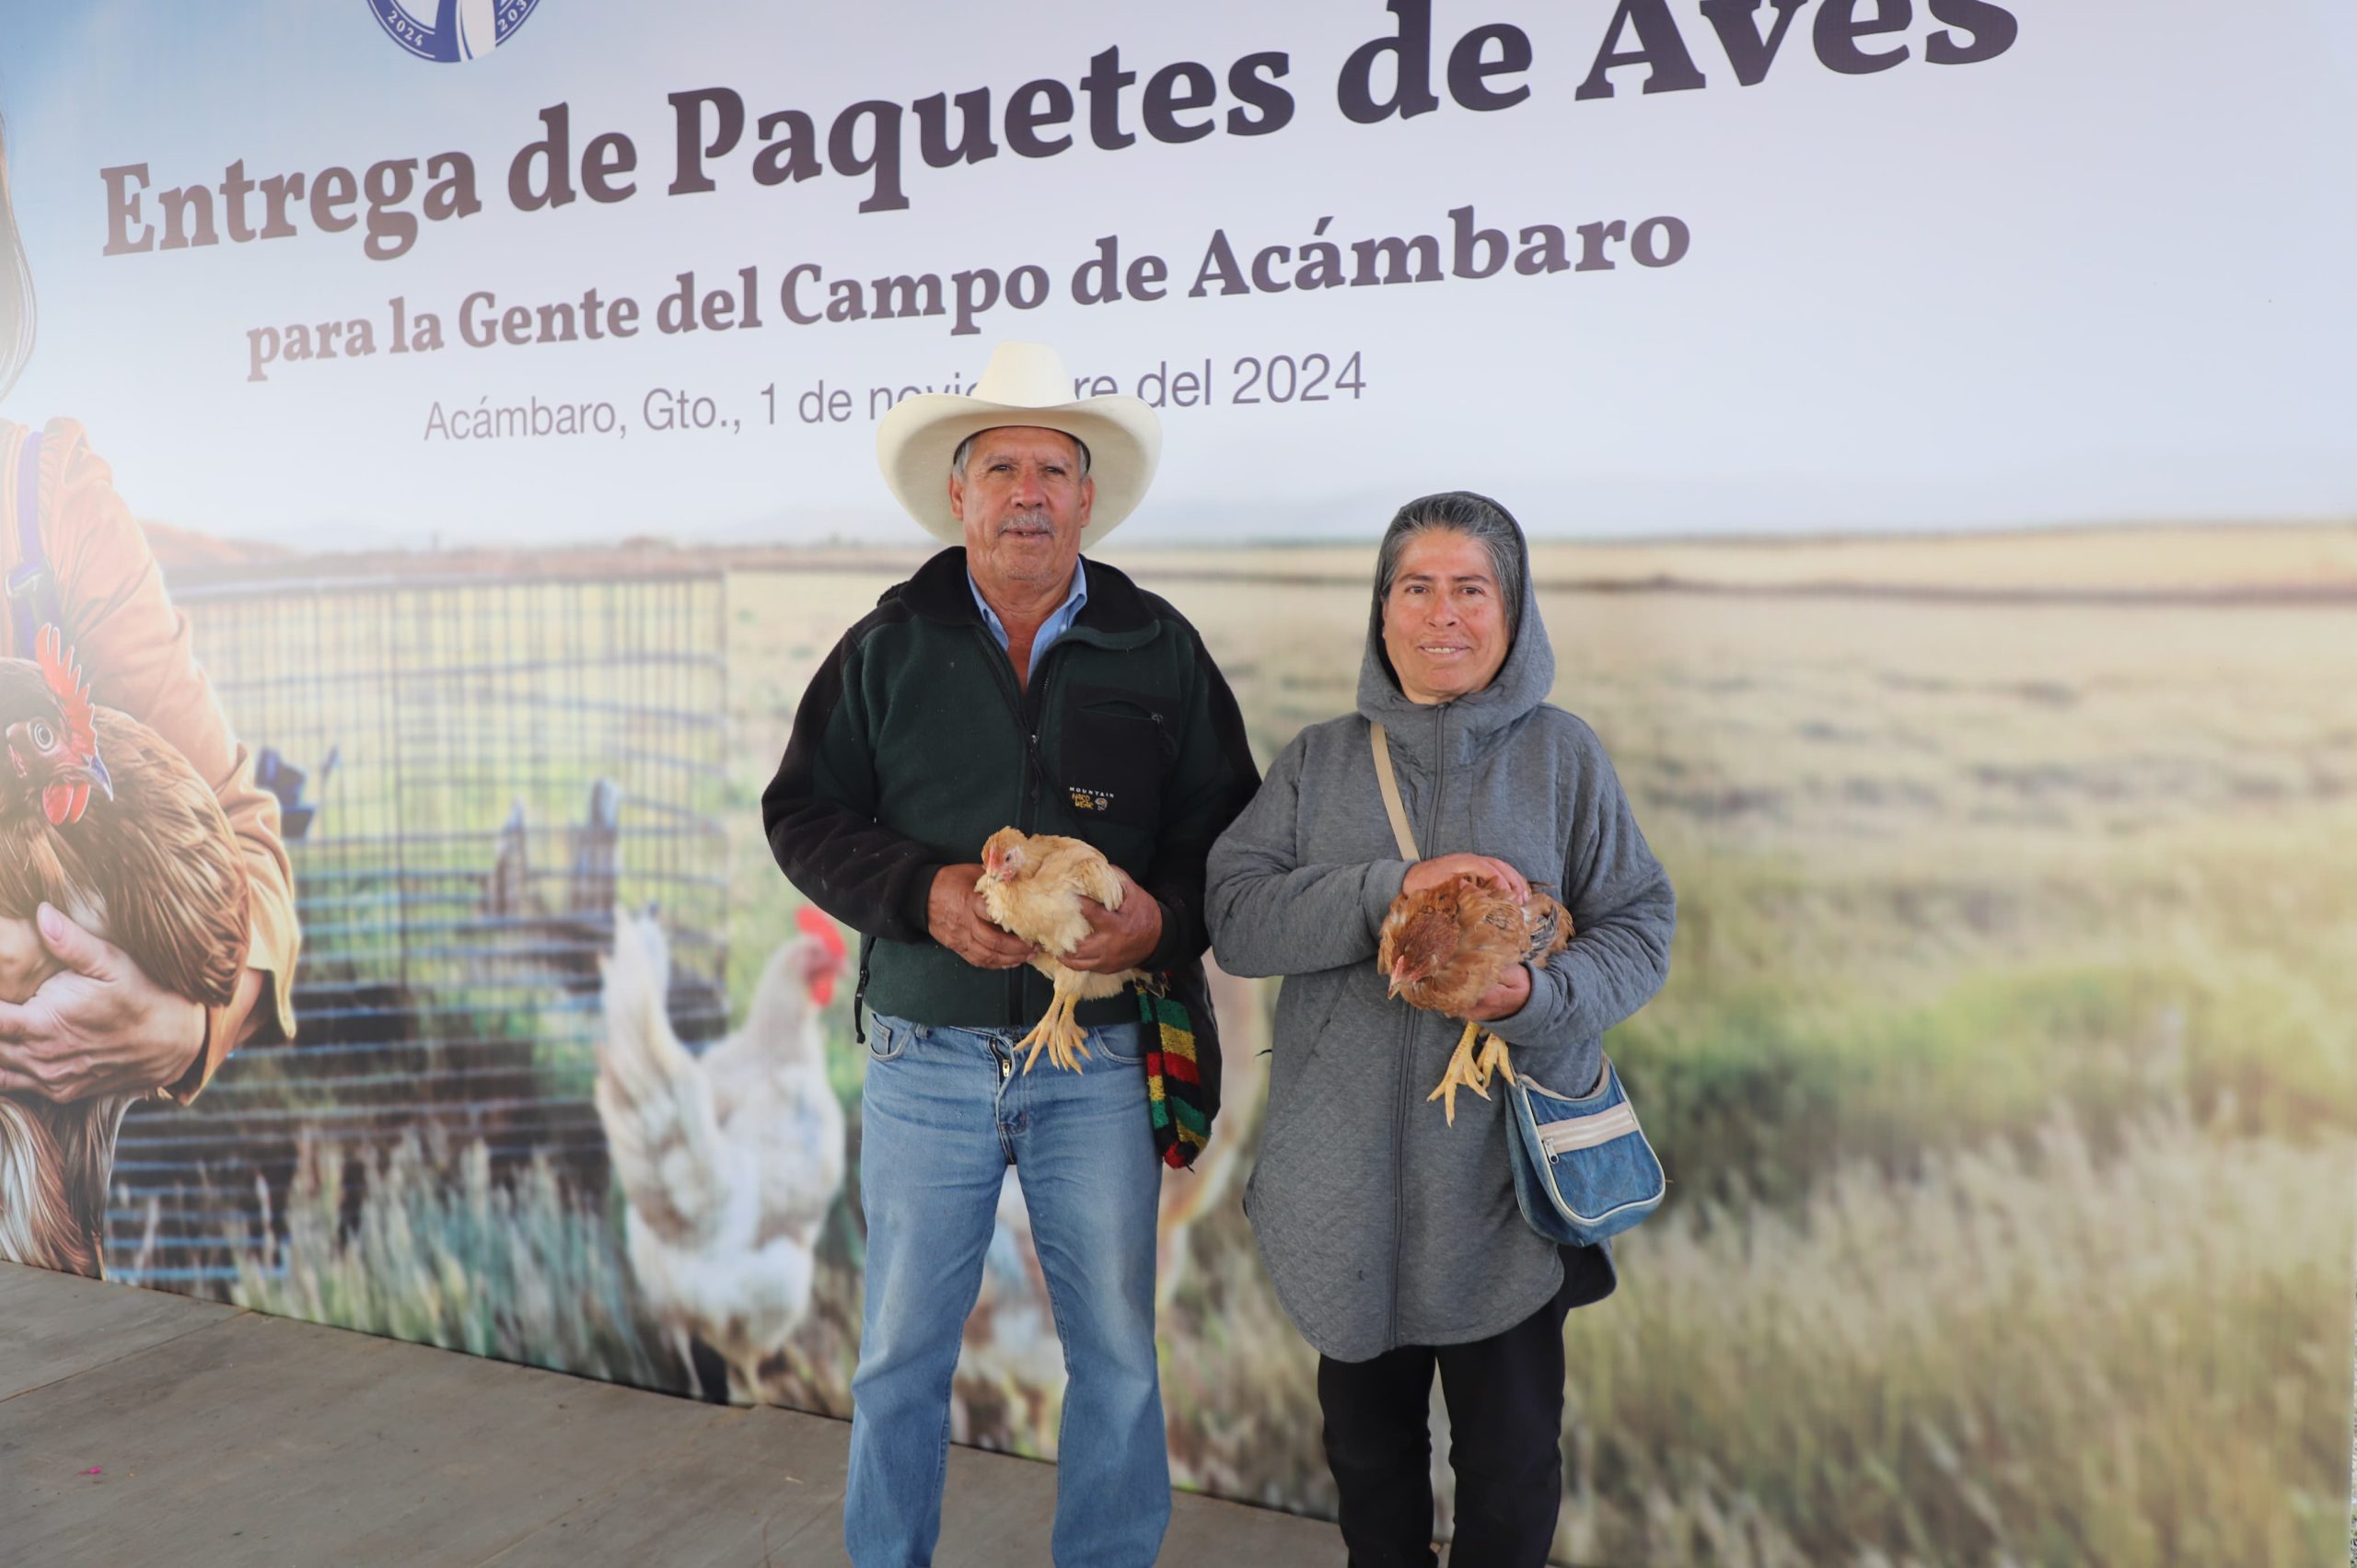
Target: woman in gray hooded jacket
point(1393, 1238)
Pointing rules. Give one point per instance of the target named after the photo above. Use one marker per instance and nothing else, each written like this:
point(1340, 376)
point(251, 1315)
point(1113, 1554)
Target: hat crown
point(1023, 376)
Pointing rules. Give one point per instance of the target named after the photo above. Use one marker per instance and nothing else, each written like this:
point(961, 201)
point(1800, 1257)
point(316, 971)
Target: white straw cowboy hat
point(1025, 384)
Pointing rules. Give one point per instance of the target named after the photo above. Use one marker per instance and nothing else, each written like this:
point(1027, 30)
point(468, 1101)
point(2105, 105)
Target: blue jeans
point(947, 1110)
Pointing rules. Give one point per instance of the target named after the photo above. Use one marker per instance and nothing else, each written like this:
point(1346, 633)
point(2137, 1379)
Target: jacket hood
point(1522, 683)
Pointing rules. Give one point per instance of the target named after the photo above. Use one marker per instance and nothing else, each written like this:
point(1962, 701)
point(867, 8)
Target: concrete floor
point(138, 1427)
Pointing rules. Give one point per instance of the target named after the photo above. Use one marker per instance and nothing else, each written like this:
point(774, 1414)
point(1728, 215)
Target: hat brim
point(918, 436)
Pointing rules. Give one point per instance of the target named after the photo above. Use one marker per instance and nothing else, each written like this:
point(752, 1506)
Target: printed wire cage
point(472, 773)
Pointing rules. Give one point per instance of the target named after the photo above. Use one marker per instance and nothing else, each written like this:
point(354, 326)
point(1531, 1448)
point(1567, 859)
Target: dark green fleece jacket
point(914, 743)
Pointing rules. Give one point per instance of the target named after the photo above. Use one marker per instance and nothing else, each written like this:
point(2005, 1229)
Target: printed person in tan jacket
point(78, 1017)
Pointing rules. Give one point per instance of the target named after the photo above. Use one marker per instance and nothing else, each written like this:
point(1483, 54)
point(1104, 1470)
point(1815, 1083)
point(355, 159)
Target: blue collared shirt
point(1054, 626)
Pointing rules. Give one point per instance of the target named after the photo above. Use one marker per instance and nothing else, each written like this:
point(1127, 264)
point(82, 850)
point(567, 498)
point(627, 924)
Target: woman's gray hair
point(1457, 511)
point(15, 285)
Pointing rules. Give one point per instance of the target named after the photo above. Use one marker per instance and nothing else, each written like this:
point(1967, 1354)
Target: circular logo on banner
point(445, 31)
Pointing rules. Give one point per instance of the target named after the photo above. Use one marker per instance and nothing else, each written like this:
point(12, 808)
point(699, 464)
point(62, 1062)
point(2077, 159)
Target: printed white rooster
point(730, 1161)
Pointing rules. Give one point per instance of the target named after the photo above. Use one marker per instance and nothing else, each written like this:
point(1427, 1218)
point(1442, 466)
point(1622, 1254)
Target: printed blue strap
point(28, 584)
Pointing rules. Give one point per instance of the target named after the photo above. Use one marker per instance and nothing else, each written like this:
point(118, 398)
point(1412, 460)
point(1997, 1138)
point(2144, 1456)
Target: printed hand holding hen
point(1444, 946)
point(105, 823)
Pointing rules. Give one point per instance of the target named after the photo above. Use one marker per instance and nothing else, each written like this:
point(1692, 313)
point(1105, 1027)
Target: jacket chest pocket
point(1114, 748)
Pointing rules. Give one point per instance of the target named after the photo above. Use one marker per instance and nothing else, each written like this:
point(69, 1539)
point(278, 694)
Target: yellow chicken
point(1032, 884)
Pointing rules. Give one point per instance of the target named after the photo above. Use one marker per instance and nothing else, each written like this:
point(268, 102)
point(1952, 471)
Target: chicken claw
point(1461, 1072)
point(1493, 1058)
point(1063, 1040)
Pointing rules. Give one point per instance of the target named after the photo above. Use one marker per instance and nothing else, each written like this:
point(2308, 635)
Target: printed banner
point(441, 449)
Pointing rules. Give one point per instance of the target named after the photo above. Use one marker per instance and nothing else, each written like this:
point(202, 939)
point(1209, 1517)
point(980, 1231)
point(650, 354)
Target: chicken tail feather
point(652, 1097)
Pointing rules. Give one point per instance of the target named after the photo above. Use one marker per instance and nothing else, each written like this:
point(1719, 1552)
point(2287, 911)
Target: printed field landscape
point(2007, 1075)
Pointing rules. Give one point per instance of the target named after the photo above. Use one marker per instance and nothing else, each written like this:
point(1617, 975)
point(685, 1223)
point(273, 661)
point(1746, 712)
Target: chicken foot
point(1064, 1042)
point(1492, 1058)
point(1461, 1072)
point(1468, 1069)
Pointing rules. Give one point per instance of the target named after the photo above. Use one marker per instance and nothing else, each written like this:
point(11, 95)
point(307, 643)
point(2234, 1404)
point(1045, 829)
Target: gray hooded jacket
point(1381, 1225)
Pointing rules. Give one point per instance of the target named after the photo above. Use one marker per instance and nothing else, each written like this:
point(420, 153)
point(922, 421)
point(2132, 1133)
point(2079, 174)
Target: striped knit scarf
point(1174, 1090)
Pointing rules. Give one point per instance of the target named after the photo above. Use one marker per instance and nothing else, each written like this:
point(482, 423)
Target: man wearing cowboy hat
point(1011, 682)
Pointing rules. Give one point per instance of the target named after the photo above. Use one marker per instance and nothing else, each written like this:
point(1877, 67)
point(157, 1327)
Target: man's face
point(1024, 503)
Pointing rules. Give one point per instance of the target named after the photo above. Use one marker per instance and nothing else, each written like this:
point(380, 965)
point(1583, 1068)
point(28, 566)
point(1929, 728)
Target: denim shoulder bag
point(1583, 1171)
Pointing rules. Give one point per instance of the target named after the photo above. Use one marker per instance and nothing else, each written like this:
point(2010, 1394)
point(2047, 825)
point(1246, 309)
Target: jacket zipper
point(1023, 702)
point(1407, 1056)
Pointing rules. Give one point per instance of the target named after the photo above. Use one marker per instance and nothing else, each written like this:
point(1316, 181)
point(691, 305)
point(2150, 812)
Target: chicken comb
point(814, 922)
point(66, 684)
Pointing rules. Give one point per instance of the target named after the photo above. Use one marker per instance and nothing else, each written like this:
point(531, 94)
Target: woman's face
point(1444, 624)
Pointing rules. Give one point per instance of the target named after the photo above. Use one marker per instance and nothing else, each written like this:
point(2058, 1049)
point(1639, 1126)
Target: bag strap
point(28, 584)
point(1389, 783)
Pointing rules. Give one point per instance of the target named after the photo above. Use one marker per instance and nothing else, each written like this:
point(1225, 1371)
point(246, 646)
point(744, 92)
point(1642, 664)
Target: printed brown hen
point(103, 819)
point(1442, 949)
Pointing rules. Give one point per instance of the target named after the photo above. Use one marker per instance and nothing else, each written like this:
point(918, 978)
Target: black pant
point(1505, 1417)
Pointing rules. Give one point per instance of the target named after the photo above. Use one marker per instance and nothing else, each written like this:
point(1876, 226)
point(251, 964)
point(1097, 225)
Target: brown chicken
point(105, 820)
point(1033, 884)
point(1444, 947)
